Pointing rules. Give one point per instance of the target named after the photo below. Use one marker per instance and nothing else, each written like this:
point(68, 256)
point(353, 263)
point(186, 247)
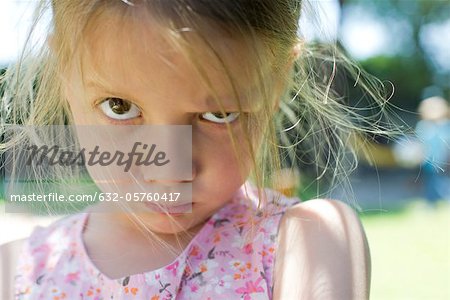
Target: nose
point(170, 117)
point(168, 152)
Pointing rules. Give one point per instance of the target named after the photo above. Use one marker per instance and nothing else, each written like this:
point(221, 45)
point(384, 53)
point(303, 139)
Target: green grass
point(410, 252)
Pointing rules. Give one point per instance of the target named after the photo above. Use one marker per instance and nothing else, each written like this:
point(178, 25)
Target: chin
point(166, 224)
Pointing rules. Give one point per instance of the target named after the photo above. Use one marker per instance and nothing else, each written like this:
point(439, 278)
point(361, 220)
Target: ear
point(296, 51)
point(295, 54)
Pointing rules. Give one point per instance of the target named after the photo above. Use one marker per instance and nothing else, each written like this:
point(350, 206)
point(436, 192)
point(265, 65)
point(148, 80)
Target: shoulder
point(322, 253)
point(9, 254)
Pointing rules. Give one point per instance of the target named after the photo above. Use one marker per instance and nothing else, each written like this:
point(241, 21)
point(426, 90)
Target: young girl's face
point(131, 75)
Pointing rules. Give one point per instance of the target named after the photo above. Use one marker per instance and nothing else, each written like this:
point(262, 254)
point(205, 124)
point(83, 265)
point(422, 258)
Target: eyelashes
point(219, 117)
point(119, 109)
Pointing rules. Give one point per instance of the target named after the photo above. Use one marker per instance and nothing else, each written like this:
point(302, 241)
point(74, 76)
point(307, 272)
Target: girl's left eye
point(119, 109)
point(218, 117)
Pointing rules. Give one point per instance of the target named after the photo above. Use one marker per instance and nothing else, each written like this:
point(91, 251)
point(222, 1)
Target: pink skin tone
point(174, 94)
point(322, 249)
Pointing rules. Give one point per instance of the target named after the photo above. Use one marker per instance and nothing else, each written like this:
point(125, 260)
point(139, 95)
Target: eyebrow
point(98, 85)
point(208, 102)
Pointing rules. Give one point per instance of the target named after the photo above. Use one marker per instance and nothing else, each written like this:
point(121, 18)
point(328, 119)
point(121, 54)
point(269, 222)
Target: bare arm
point(322, 253)
point(9, 253)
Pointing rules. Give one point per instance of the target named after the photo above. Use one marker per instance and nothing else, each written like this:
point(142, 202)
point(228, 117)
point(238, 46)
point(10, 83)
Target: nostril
point(170, 182)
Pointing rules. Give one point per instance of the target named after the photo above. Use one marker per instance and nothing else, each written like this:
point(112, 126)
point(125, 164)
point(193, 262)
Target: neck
point(132, 225)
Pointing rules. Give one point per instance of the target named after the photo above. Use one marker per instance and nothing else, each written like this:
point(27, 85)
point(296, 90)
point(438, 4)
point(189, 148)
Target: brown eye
point(220, 114)
point(119, 109)
point(119, 106)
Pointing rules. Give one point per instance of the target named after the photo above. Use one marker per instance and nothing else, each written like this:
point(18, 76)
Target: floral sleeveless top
point(221, 261)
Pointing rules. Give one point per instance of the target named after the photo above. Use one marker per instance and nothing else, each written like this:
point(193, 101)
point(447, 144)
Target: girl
point(238, 74)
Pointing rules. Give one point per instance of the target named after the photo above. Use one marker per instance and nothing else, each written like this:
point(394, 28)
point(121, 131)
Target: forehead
point(137, 53)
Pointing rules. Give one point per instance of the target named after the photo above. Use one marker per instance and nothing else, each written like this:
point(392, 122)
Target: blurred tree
point(409, 77)
point(412, 69)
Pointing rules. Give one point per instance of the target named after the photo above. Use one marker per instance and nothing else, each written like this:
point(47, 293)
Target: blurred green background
point(410, 250)
point(406, 44)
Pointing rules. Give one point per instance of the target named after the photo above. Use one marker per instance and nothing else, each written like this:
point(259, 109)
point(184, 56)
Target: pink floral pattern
point(231, 256)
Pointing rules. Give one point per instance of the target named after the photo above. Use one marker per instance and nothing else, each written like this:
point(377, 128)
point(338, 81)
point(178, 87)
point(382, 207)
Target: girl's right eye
point(119, 109)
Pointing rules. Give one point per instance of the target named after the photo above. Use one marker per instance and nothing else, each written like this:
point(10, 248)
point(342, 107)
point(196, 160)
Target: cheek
point(216, 153)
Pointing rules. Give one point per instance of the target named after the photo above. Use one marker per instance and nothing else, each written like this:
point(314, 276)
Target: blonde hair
point(312, 122)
